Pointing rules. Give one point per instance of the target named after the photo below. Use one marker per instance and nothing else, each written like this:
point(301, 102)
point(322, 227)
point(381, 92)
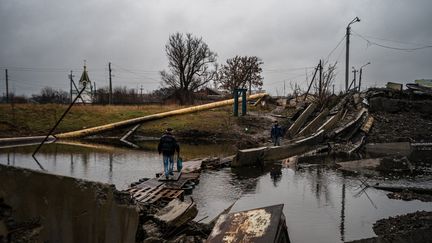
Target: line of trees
point(121, 95)
point(192, 65)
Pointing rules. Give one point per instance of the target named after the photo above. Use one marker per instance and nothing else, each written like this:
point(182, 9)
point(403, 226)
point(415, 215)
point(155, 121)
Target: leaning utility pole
point(110, 84)
point(348, 32)
point(354, 79)
point(360, 75)
point(7, 86)
point(320, 79)
point(71, 81)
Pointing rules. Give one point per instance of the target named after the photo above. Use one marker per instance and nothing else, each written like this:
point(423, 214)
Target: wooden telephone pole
point(7, 86)
point(110, 84)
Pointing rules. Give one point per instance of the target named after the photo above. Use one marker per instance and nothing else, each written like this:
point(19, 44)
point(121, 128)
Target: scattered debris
point(257, 225)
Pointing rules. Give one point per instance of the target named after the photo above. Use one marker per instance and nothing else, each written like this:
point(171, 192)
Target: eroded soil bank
point(408, 228)
point(63, 209)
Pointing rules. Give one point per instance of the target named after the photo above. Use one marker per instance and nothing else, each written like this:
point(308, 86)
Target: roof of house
point(84, 75)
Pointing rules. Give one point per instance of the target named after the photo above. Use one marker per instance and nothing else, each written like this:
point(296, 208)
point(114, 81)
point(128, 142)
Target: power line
point(334, 49)
point(136, 74)
point(286, 69)
point(46, 69)
point(395, 41)
point(391, 47)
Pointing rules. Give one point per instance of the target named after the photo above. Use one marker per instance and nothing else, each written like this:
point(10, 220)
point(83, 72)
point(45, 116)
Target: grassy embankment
point(36, 119)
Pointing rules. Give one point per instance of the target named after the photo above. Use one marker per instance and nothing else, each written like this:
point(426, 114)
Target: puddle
point(108, 164)
point(321, 205)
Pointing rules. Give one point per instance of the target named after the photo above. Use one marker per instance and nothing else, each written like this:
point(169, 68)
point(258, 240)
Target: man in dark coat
point(168, 146)
point(276, 133)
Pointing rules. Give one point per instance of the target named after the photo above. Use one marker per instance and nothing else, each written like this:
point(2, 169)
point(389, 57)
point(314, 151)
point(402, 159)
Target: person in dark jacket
point(276, 133)
point(168, 146)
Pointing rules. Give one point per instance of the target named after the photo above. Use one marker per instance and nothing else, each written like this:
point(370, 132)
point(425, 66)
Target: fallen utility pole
point(52, 129)
point(134, 121)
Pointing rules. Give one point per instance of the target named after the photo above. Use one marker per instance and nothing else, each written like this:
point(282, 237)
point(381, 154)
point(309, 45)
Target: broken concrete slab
point(71, 210)
point(257, 156)
point(367, 125)
point(384, 149)
point(357, 165)
point(249, 157)
point(351, 123)
point(301, 120)
point(266, 224)
point(385, 164)
point(314, 124)
point(394, 86)
point(177, 213)
point(331, 122)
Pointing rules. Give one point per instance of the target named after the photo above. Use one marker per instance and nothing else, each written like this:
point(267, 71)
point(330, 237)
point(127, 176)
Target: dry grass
point(211, 121)
point(36, 119)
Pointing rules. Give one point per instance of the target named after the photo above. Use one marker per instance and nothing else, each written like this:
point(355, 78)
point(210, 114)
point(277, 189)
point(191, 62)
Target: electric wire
point(370, 42)
point(334, 49)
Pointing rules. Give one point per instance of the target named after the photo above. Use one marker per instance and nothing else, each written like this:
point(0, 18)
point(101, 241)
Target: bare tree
point(50, 95)
point(191, 65)
point(241, 71)
point(327, 79)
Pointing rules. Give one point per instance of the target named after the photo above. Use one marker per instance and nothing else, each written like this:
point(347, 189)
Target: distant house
point(204, 95)
point(87, 94)
point(207, 93)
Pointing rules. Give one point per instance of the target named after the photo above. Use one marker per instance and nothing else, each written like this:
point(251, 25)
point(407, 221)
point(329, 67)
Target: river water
point(320, 204)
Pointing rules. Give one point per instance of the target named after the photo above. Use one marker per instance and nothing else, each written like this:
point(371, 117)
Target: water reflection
point(104, 163)
point(321, 205)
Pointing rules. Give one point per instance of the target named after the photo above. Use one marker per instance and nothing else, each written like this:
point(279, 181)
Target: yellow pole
point(130, 122)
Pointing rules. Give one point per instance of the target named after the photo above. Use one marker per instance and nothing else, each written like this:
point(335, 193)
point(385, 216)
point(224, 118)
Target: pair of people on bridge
point(168, 146)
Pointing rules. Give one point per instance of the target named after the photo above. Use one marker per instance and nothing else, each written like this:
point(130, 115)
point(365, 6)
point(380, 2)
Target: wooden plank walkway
point(160, 189)
point(192, 166)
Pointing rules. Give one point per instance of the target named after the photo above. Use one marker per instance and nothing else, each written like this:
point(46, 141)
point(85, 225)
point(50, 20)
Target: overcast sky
point(41, 41)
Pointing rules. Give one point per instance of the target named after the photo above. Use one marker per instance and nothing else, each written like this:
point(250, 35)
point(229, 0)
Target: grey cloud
point(132, 34)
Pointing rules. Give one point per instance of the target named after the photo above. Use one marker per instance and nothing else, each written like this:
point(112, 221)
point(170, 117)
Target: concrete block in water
point(177, 213)
point(249, 157)
point(257, 156)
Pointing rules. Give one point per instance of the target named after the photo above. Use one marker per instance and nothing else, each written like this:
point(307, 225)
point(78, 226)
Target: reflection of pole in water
point(110, 173)
point(85, 161)
point(55, 157)
point(71, 164)
point(13, 158)
point(342, 223)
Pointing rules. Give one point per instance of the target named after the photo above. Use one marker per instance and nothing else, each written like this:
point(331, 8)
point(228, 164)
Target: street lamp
point(348, 32)
point(360, 77)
